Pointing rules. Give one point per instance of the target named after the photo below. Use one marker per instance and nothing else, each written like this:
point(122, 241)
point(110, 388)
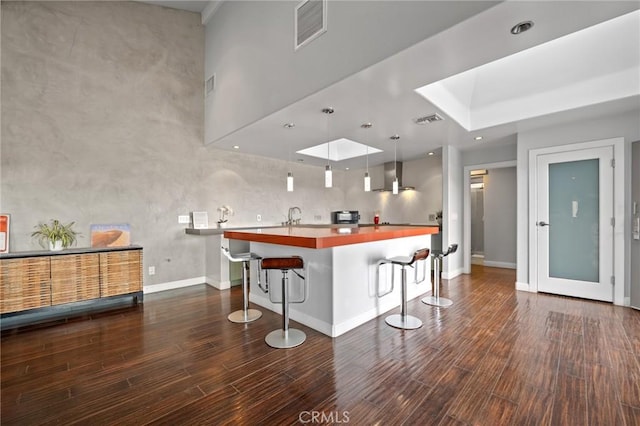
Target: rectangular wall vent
point(310, 21)
point(210, 84)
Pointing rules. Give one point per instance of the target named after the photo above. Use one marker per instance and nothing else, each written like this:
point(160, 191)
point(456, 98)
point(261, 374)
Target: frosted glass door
point(573, 224)
point(574, 245)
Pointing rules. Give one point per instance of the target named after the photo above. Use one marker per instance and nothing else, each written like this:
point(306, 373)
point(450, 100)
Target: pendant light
point(395, 164)
point(367, 178)
point(328, 175)
point(289, 173)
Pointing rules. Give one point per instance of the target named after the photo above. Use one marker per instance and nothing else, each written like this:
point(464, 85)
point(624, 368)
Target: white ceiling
point(580, 69)
point(384, 94)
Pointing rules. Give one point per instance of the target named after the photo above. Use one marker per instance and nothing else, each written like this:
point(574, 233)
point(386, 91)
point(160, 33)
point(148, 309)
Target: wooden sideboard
point(31, 282)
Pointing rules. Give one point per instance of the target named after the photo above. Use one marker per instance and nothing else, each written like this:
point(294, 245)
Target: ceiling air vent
point(428, 119)
point(311, 21)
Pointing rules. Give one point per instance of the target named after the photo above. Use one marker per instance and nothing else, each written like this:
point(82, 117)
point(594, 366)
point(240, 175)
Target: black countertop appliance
point(345, 216)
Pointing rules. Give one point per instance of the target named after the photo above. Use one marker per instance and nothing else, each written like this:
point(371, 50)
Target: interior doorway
point(476, 195)
point(477, 220)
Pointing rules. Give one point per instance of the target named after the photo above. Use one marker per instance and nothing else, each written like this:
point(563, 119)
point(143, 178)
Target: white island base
point(343, 282)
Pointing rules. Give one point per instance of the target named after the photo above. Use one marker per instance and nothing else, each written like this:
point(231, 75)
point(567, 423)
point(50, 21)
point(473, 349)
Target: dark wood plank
point(496, 356)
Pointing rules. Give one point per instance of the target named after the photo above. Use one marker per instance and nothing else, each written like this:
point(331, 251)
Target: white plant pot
point(222, 224)
point(55, 245)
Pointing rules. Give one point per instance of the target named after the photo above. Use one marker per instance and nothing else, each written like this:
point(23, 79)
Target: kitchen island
point(341, 270)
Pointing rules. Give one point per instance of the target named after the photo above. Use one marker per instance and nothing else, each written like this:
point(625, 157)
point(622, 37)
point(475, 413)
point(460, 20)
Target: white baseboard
point(452, 274)
point(507, 265)
point(524, 287)
point(171, 285)
point(327, 329)
point(220, 285)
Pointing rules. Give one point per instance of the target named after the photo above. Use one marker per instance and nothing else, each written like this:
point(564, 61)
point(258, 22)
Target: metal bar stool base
point(406, 323)
point(442, 302)
point(281, 339)
point(244, 316)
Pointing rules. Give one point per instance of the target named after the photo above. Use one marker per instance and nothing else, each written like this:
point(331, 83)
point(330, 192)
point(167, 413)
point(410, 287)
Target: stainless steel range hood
point(391, 170)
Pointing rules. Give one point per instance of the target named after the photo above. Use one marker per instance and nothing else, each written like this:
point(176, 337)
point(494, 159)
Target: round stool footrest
point(442, 302)
point(407, 322)
point(244, 316)
point(281, 339)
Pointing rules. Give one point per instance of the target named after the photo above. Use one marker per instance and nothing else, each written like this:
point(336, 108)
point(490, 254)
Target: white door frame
point(466, 208)
point(618, 210)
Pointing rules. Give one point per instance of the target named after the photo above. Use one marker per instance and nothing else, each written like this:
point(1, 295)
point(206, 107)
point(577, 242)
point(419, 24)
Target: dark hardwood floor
point(496, 357)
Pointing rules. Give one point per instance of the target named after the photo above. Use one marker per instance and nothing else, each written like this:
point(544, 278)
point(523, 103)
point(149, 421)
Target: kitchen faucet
point(291, 220)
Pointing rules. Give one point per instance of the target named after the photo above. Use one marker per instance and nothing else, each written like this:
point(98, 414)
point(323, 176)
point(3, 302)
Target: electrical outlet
point(183, 218)
point(259, 218)
point(152, 270)
point(432, 218)
point(317, 217)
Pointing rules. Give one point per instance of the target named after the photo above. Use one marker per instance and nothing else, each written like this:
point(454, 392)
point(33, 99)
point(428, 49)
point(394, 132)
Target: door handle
point(542, 223)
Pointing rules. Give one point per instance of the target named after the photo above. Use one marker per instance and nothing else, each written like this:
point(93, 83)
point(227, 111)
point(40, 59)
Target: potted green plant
point(57, 235)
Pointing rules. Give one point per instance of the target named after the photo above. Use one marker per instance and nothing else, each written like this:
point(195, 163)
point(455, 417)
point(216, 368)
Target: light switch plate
point(183, 218)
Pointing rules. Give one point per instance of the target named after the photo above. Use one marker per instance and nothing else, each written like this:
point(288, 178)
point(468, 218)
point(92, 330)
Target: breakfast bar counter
point(329, 236)
point(341, 269)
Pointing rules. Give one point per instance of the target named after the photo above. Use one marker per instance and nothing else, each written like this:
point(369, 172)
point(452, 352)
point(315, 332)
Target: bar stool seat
point(402, 320)
point(285, 337)
point(435, 299)
point(245, 314)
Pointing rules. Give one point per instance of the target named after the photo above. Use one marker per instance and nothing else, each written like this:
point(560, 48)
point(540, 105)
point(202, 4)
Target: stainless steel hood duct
point(391, 170)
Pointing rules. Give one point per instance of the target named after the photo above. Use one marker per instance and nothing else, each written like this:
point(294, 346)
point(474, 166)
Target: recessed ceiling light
point(300, 160)
point(478, 138)
point(431, 153)
point(346, 168)
point(236, 147)
point(289, 125)
point(521, 27)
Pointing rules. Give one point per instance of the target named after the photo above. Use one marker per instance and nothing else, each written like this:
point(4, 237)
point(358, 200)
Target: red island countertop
point(329, 236)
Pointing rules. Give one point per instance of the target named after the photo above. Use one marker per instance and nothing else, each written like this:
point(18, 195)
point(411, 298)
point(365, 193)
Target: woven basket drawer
point(75, 277)
point(24, 284)
point(120, 272)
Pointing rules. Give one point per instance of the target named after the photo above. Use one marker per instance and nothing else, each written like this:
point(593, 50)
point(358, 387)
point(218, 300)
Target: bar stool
point(245, 314)
point(435, 299)
point(285, 337)
point(403, 320)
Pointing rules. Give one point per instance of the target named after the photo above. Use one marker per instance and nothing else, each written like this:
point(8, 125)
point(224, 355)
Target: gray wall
point(477, 220)
point(425, 174)
point(500, 217)
point(623, 125)
point(102, 122)
point(492, 154)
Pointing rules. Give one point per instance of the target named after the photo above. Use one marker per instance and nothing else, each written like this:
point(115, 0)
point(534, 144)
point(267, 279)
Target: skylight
point(339, 149)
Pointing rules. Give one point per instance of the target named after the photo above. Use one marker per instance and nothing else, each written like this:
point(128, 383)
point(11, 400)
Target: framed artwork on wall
point(110, 235)
point(5, 222)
